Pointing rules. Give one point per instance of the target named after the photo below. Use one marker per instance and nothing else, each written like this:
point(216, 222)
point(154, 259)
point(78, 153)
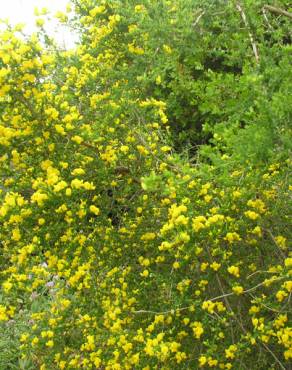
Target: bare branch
point(163, 312)
point(198, 19)
point(246, 291)
point(279, 11)
point(266, 18)
point(211, 299)
point(273, 354)
point(252, 40)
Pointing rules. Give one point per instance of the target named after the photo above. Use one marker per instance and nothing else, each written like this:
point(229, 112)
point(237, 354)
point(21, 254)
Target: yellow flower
point(288, 354)
point(215, 266)
point(281, 295)
point(3, 314)
point(60, 129)
point(97, 10)
point(233, 270)
point(257, 231)
point(39, 197)
point(204, 266)
point(139, 8)
point(236, 194)
point(280, 321)
point(197, 329)
point(288, 262)
point(77, 139)
point(212, 362)
point(254, 309)
point(251, 214)
point(231, 237)
point(62, 365)
point(209, 306)
point(237, 289)
point(176, 265)
point(60, 186)
point(93, 209)
point(132, 28)
point(167, 49)
point(230, 351)
point(288, 285)
point(135, 49)
point(158, 80)
point(78, 171)
point(148, 236)
point(35, 341)
point(144, 261)
point(76, 183)
point(7, 285)
point(281, 241)
point(68, 192)
point(124, 149)
point(23, 337)
point(202, 361)
point(198, 223)
point(16, 234)
point(145, 273)
point(257, 204)
point(180, 356)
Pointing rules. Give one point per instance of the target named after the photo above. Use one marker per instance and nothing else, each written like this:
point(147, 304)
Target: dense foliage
point(145, 197)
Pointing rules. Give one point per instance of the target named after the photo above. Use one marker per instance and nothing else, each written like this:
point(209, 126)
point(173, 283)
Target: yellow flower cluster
point(116, 253)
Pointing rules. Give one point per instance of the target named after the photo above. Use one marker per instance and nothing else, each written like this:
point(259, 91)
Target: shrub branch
point(251, 37)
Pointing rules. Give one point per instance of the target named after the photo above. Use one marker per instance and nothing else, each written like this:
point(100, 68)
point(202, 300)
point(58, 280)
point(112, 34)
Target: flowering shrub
point(117, 252)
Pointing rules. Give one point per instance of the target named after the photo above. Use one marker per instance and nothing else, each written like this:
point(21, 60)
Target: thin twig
point(266, 18)
point(275, 242)
point(163, 312)
point(211, 299)
point(224, 295)
point(275, 357)
point(275, 10)
point(264, 305)
point(198, 19)
point(259, 272)
point(248, 290)
point(252, 41)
